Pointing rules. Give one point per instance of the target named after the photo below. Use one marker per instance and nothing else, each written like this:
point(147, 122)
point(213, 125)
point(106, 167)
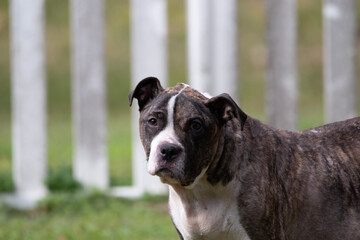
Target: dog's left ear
point(145, 91)
point(225, 108)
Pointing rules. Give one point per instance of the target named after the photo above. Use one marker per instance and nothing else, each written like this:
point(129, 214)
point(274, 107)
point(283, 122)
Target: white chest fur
point(206, 212)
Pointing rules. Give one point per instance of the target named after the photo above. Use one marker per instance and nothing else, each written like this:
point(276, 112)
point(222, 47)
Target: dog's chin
point(170, 177)
point(167, 176)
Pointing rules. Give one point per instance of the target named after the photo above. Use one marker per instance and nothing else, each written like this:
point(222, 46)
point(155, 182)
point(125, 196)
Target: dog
point(232, 177)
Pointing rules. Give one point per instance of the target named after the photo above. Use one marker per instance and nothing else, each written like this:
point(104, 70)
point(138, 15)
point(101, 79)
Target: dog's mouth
point(167, 176)
point(164, 172)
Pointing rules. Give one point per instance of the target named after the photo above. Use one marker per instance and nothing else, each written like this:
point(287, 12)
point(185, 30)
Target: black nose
point(169, 151)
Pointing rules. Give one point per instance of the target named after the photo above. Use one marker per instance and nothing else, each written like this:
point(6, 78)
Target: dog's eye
point(152, 122)
point(196, 125)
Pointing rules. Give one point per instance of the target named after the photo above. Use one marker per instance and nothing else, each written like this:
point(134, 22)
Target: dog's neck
point(206, 210)
point(218, 190)
point(266, 166)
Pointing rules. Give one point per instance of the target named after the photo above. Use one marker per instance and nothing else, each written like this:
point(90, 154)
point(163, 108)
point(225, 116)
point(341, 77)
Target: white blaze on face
point(167, 135)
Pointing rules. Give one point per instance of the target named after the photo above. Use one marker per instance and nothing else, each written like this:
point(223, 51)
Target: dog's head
point(181, 129)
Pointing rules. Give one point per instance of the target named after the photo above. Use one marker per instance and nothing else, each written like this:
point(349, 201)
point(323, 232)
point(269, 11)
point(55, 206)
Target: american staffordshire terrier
point(232, 177)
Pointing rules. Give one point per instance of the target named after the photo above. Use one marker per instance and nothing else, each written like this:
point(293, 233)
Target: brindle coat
point(292, 185)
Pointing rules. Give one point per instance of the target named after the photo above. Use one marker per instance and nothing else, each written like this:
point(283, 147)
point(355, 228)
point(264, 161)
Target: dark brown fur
point(301, 185)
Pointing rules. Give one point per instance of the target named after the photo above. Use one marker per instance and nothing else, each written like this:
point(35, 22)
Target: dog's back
point(314, 182)
point(334, 198)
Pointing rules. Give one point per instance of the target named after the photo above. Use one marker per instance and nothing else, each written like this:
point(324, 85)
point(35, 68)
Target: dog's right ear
point(225, 108)
point(145, 91)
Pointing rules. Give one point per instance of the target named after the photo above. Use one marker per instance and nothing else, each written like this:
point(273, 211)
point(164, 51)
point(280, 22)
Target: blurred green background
point(67, 215)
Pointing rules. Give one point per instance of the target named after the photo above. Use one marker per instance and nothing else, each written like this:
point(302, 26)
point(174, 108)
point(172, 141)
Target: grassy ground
point(66, 217)
point(74, 216)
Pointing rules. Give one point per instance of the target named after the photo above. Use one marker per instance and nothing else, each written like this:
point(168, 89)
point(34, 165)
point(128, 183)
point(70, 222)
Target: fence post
point(28, 101)
point(148, 58)
point(282, 70)
point(224, 57)
point(199, 44)
point(340, 87)
point(89, 94)
point(212, 45)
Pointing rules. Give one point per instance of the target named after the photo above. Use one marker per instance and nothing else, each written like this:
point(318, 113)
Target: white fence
point(212, 65)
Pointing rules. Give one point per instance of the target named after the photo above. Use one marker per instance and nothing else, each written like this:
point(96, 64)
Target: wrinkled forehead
point(185, 100)
point(188, 107)
point(186, 90)
point(181, 97)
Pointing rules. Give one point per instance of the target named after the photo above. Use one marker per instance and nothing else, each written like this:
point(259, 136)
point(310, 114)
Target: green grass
point(65, 215)
point(78, 216)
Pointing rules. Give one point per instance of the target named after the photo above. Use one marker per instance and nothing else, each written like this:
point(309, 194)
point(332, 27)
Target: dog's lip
point(167, 176)
point(164, 172)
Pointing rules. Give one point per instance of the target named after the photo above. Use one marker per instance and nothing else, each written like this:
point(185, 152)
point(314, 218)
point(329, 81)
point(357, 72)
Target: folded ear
point(146, 90)
point(225, 108)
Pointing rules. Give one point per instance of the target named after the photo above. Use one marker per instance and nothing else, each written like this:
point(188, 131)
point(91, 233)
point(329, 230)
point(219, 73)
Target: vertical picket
point(199, 43)
point(282, 65)
point(148, 58)
point(340, 83)
point(89, 107)
point(224, 50)
point(28, 100)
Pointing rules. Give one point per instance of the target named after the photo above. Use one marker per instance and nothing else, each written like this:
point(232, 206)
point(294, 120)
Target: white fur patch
point(166, 135)
point(206, 211)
